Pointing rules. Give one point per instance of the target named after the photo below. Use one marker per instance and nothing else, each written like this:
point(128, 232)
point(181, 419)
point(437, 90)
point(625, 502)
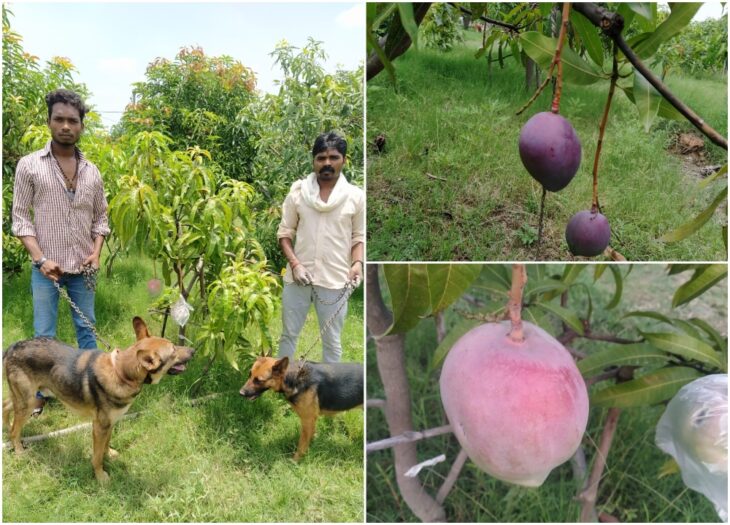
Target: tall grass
point(630, 489)
point(223, 460)
point(450, 184)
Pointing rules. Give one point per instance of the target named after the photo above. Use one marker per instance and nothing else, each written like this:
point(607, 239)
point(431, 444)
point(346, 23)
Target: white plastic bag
point(693, 430)
point(180, 311)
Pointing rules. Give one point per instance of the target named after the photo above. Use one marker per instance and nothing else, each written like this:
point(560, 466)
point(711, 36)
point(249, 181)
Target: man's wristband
point(39, 262)
point(357, 261)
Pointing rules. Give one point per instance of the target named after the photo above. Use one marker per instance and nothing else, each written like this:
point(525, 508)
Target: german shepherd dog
point(95, 384)
point(312, 389)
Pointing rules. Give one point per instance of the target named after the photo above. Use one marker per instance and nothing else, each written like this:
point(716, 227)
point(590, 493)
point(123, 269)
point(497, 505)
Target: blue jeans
point(45, 306)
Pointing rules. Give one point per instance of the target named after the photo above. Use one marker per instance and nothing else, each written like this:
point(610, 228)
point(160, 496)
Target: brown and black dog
point(312, 389)
point(95, 384)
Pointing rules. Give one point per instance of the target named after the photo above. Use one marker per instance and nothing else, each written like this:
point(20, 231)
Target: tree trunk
point(391, 365)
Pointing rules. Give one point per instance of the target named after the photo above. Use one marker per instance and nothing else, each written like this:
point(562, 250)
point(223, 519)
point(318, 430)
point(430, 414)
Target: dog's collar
point(114, 354)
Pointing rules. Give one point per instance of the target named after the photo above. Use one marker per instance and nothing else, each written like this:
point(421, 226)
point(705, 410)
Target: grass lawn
point(450, 184)
point(224, 460)
point(630, 488)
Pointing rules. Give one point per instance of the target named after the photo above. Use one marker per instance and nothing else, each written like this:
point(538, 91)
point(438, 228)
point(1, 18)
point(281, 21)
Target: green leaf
point(651, 315)
point(679, 268)
point(459, 329)
point(572, 271)
point(685, 346)
point(624, 9)
point(598, 271)
point(681, 15)
point(405, 9)
point(616, 271)
point(646, 390)
point(695, 224)
point(532, 315)
point(588, 35)
point(704, 278)
point(567, 316)
point(543, 286)
point(647, 100)
point(373, 43)
point(446, 282)
point(643, 9)
point(408, 285)
point(666, 110)
point(717, 339)
point(541, 49)
point(637, 354)
point(669, 468)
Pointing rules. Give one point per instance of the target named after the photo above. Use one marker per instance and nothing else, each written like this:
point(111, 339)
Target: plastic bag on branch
point(693, 430)
point(180, 311)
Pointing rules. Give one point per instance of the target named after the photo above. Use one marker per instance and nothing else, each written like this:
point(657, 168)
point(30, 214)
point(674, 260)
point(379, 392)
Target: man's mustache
point(327, 169)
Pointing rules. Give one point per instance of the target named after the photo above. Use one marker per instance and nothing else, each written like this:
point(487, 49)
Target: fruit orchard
point(616, 68)
point(195, 173)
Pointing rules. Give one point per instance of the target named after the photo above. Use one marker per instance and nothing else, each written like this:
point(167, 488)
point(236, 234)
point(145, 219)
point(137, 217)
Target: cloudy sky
point(111, 43)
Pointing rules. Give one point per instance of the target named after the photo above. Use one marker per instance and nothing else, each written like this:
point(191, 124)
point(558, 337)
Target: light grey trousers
point(295, 302)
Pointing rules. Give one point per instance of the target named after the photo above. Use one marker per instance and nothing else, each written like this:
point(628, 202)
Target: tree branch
point(492, 21)
point(450, 480)
point(407, 437)
point(612, 25)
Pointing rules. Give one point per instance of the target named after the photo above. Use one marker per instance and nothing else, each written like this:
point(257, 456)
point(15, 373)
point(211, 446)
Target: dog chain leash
point(347, 291)
point(76, 309)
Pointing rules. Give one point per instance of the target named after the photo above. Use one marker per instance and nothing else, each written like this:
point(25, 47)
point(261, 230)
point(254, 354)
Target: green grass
point(223, 460)
point(453, 120)
point(629, 490)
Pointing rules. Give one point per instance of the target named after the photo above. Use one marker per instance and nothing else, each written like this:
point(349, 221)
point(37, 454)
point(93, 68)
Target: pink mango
point(518, 409)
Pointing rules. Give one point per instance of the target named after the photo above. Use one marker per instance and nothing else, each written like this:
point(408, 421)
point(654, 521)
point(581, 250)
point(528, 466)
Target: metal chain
point(85, 319)
point(322, 301)
point(347, 291)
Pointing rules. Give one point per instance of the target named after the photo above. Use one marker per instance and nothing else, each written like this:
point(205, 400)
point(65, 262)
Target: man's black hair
point(65, 96)
point(329, 140)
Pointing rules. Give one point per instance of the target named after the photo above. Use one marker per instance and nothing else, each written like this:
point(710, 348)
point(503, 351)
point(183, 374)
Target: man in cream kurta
point(321, 234)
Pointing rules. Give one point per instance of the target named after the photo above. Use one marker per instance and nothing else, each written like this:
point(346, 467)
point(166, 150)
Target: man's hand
point(92, 260)
point(51, 270)
point(355, 276)
point(301, 275)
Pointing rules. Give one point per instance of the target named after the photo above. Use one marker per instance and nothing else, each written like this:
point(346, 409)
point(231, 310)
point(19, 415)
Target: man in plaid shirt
point(59, 214)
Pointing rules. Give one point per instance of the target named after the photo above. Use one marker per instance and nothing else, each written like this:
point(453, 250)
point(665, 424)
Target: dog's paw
point(102, 477)
point(111, 453)
point(19, 449)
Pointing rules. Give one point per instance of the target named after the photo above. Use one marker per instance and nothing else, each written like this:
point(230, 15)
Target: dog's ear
point(140, 328)
point(149, 359)
point(280, 366)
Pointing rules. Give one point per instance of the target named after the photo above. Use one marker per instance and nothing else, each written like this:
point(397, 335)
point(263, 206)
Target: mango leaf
point(408, 285)
point(446, 282)
point(649, 389)
point(532, 315)
point(704, 278)
point(651, 315)
point(375, 46)
point(542, 286)
point(459, 329)
point(572, 271)
point(687, 327)
point(616, 271)
point(685, 346)
point(495, 279)
point(598, 271)
point(647, 100)
point(541, 49)
point(643, 9)
point(695, 224)
point(405, 9)
point(637, 354)
point(588, 35)
point(681, 15)
point(679, 268)
point(717, 339)
point(628, 14)
point(567, 316)
point(666, 110)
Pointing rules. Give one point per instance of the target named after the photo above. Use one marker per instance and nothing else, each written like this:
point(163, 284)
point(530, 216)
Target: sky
point(110, 44)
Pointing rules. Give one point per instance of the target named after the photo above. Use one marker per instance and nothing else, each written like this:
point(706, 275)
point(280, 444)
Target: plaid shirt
point(64, 227)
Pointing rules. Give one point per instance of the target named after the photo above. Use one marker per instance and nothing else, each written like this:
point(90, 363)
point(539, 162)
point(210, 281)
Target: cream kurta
point(323, 241)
